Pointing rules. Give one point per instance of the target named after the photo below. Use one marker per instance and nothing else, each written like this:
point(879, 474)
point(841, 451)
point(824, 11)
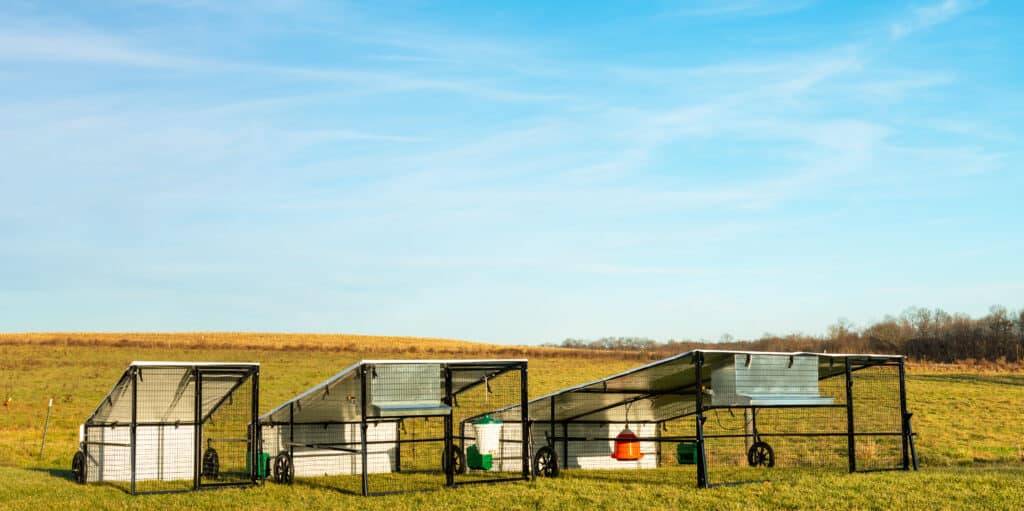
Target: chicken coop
point(393, 426)
point(740, 413)
point(174, 426)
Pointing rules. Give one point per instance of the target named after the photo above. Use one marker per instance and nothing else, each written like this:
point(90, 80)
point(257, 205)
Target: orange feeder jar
point(627, 447)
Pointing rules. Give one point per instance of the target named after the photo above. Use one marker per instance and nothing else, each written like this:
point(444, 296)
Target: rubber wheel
point(284, 471)
point(545, 462)
point(761, 455)
point(211, 464)
point(457, 458)
point(78, 467)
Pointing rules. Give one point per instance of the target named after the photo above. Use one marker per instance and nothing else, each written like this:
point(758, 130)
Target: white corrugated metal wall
point(321, 462)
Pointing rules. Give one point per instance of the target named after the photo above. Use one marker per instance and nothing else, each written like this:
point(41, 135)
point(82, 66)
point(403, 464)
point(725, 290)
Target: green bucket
point(262, 469)
point(686, 453)
point(478, 461)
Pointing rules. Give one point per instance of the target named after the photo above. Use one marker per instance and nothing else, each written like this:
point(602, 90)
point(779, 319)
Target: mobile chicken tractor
point(174, 426)
point(391, 426)
point(738, 411)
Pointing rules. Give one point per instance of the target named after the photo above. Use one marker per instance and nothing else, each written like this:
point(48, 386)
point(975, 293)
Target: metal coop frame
point(172, 427)
point(393, 426)
point(743, 411)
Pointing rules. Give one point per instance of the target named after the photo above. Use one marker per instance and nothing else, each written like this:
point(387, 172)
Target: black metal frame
point(907, 453)
point(449, 439)
point(253, 438)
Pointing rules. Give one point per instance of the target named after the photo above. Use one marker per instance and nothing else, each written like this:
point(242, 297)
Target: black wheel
point(78, 467)
point(458, 459)
point(284, 471)
point(761, 455)
point(211, 463)
point(545, 463)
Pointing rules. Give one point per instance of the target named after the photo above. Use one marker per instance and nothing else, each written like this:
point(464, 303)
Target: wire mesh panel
point(165, 431)
point(877, 418)
point(328, 455)
point(411, 400)
point(415, 416)
point(746, 412)
point(492, 448)
point(413, 456)
point(745, 443)
point(107, 452)
point(226, 417)
point(145, 435)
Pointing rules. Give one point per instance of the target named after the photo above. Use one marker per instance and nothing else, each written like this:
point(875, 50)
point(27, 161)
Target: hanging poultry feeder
point(627, 447)
point(480, 455)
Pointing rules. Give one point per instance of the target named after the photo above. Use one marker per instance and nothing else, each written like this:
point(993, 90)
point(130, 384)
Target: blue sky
point(514, 172)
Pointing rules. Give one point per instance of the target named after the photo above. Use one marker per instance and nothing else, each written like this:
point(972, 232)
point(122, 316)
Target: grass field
point(970, 425)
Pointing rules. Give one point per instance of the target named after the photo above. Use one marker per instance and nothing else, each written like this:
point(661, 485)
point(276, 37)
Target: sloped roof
point(337, 399)
point(165, 392)
point(660, 390)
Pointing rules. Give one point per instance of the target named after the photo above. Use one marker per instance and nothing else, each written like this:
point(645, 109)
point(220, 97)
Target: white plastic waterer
point(488, 435)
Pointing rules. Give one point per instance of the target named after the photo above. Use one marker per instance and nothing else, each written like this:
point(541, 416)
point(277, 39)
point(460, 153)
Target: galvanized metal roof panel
point(663, 389)
point(337, 399)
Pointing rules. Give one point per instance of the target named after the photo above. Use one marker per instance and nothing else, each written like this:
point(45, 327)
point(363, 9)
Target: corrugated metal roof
point(337, 399)
point(660, 390)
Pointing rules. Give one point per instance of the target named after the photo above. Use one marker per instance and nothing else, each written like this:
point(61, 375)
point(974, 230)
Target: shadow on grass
point(327, 487)
point(642, 476)
point(379, 484)
point(675, 477)
point(59, 473)
point(65, 474)
point(1016, 380)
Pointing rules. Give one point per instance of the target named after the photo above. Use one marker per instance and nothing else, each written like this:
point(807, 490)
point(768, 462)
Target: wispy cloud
point(897, 87)
point(84, 47)
point(922, 18)
point(73, 45)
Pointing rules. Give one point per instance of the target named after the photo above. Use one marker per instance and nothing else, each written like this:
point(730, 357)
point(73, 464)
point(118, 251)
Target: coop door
point(226, 434)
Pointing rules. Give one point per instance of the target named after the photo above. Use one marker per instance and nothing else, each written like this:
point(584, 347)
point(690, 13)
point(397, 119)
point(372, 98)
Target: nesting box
point(767, 379)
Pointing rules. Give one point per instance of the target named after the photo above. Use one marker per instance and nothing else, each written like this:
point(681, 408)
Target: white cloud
point(926, 17)
point(899, 86)
point(73, 45)
point(82, 47)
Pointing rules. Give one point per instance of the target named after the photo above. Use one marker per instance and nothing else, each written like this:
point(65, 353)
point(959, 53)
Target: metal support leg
point(904, 417)
point(449, 446)
point(702, 462)
point(524, 418)
point(133, 431)
point(398, 446)
point(197, 431)
point(851, 445)
point(291, 435)
point(363, 430)
point(256, 436)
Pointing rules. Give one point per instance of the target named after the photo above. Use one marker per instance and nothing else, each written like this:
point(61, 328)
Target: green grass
point(970, 443)
point(670, 488)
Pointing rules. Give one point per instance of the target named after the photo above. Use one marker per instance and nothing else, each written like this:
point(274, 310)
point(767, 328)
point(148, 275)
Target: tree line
point(922, 334)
